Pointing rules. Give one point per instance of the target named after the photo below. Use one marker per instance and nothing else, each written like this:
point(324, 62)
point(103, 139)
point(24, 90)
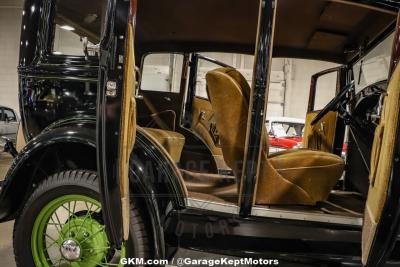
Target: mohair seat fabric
point(172, 142)
point(295, 177)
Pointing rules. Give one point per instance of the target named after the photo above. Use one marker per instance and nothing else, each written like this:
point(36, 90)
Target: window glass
point(9, 115)
point(162, 72)
point(75, 22)
point(243, 63)
point(325, 90)
point(374, 66)
point(286, 129)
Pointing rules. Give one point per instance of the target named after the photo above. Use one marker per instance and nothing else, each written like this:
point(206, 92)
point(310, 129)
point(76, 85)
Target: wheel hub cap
point(70, 250)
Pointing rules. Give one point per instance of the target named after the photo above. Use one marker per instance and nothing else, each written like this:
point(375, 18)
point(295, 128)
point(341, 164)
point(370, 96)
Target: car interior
point(204, 132)
point(206, 136)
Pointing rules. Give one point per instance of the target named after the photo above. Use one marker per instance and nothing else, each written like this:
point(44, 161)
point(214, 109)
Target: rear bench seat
point(172, 142)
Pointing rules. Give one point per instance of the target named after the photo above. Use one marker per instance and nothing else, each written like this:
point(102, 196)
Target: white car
point(8, 124)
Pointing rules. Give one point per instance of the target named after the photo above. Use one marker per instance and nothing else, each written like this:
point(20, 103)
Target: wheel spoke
point(51, 238)
point(98, 248)
point(59, 222)
point(73, 211)
point(92, 235)
point(55, 224)
point(88, 214)
point(52, 244)
point(98, 263)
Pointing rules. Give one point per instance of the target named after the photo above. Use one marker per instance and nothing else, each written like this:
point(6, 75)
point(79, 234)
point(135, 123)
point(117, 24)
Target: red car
point(285, 133)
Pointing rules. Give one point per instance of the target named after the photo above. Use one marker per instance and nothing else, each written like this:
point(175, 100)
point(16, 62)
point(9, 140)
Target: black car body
point(61, 95)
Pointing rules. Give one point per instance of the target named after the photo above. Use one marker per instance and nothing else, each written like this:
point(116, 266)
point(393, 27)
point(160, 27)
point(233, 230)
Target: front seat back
point(229, 93)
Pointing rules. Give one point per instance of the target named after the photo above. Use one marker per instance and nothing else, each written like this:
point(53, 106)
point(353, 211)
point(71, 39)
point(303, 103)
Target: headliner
point(314, 29)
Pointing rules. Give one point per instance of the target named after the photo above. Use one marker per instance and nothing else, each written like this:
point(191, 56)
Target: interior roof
point(316, 29)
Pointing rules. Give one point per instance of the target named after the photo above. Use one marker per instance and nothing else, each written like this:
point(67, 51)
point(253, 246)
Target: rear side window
point(162, 73)
point(76, 22)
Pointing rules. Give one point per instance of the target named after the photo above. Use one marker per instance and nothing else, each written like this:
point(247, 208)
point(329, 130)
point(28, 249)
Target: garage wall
point(298, 77)
point(10, 23)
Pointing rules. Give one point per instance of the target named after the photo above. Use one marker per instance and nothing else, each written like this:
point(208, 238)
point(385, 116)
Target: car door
point(116, 124)
point(382, 212)
point(328, 134)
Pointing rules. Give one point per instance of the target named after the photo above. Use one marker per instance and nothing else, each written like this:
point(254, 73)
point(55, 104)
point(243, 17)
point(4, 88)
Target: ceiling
point(318, 29)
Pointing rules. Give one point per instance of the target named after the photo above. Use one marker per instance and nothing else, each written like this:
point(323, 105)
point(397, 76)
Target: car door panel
point(320, 136)
point(116, 125)
point(328, 134)
point(158, 109)
point(382, 214)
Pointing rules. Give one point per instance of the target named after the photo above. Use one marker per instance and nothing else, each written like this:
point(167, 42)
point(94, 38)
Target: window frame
point(207, 59)
point(48, 33)
point(139, 89)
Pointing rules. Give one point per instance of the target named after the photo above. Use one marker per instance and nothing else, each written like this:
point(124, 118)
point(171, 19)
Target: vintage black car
point(115, 165)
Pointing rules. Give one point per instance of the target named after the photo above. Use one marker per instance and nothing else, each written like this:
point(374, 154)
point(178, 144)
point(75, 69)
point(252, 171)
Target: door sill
point(311, 216)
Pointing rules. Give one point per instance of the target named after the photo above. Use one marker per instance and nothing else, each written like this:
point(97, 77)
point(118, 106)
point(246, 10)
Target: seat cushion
point(172, 142)
point(302, 177)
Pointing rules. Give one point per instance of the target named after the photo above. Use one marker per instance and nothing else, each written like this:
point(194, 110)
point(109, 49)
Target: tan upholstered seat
point(172, 142)
point(298, 177)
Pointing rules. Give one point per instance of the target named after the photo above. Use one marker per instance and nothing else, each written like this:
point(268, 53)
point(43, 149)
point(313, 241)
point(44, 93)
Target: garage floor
point(6, 229)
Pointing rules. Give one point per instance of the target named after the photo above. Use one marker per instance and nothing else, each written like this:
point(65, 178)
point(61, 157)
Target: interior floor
point(340, 203)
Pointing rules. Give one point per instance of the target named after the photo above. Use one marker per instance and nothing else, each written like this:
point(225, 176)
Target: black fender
point(54, 150)
point(156, 185)
point(154, 179)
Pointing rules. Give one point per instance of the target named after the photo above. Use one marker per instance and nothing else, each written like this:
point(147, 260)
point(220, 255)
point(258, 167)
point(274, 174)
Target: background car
point(8, 124)
point(285, 133)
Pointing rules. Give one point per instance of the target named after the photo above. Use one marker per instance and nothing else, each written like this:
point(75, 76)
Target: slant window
point(78, 27)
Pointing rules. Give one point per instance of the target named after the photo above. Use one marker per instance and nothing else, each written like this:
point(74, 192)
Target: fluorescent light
point(57, 53)
point(67, 28)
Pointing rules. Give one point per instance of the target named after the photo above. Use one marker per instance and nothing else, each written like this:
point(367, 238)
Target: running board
point(276, 213)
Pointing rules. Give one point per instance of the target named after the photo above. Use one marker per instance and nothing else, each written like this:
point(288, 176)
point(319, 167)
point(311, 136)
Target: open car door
point(328, 134)
point(116, 114)
point(382, 212)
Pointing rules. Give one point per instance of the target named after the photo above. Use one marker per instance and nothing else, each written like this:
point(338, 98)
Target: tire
point(78, 188)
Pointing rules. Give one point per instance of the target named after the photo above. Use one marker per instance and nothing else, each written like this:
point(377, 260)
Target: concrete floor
point(6, 229)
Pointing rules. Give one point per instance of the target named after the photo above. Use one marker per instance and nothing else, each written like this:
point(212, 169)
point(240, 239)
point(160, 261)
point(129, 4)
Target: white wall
point(298, 78)
point(10, 23)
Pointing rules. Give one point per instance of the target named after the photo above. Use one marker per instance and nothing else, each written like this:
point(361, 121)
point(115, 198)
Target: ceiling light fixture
point(67, 28)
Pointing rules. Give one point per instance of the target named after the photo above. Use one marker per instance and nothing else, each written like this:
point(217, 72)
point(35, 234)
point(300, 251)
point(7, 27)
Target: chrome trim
point(305, 216)
point(211, 205)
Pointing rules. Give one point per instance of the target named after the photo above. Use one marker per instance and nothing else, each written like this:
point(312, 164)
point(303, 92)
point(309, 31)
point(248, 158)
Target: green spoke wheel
point(68, 231)
point(61, 225)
